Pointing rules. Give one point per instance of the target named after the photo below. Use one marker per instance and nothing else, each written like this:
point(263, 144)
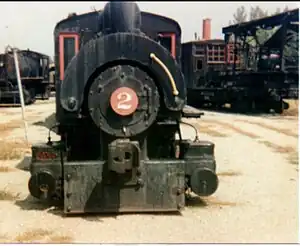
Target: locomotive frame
point(32, 85)
point(234, 81)
point(112, 159)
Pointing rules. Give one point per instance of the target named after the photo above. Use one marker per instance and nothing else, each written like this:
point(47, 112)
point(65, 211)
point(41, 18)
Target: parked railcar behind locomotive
point(119, 104)
point(248, 74)
point(34, 73)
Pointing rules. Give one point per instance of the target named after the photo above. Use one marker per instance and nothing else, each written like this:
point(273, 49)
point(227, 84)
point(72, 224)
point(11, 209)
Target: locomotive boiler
point(119, 104)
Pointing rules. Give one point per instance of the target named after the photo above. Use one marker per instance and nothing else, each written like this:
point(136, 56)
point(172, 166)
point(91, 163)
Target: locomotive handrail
point(164, 67)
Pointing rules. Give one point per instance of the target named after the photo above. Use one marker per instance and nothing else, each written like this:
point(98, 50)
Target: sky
point(31, 24)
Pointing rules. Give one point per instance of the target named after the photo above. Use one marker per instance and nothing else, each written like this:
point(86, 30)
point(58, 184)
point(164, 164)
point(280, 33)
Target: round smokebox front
point(123, 101)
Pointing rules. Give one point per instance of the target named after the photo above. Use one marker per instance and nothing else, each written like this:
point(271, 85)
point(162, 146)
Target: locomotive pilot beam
point(120, 99)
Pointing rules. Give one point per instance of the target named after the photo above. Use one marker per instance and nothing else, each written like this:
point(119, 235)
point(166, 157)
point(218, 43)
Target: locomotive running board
point(190, 112)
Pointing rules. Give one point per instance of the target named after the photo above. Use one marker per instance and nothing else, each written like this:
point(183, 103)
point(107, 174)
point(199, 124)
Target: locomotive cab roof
point(204, 42)
point(77, 17)
point(28, 51)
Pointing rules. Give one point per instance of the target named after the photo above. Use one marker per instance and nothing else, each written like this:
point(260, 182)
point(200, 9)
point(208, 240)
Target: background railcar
point(248, 73)
point(34, 72)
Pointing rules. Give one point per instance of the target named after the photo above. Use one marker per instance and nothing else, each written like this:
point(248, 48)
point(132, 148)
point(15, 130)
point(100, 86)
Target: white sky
point(30, 24)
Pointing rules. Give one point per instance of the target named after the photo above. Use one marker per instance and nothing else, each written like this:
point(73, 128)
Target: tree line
point(241, 14)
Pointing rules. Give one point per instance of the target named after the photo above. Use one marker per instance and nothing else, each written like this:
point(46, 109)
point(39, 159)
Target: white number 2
point(124, 98)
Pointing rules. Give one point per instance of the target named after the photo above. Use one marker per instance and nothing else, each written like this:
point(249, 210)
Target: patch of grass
point(6, 195)
point(229, 173)
point(30, 236)
point(13, 150)
point(60, 239)
point(278, 148)
point(6, 169)
point(289, 150)
point(41, 235)
point(287, 132)
point(5, 128)
point(4, 239)
point(233, 128)
point(9, 113)
point(207, 129)
point(196, 201)
point(216, 201)
point(294, 158)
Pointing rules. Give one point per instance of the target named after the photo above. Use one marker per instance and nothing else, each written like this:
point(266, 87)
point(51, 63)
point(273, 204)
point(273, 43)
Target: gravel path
point(257, 199)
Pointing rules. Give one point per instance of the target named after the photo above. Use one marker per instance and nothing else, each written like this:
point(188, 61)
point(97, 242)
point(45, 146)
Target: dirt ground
point(257, 199)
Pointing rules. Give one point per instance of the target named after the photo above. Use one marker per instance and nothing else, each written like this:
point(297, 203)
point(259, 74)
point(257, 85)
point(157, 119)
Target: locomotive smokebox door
point(123, 101)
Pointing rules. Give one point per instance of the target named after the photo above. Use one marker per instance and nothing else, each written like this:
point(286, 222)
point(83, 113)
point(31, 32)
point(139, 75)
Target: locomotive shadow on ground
point(48, 123)
point(24, 163)
point(195, 201)
point(30, 204)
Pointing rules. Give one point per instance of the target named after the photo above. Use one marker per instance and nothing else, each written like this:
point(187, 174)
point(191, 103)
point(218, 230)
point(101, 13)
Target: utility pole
point(20, 92)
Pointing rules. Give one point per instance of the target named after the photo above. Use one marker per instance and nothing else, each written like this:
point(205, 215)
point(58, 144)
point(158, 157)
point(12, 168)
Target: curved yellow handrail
point(164, 67)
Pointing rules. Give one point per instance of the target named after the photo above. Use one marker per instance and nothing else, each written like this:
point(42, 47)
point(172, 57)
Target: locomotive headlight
point(72, 102)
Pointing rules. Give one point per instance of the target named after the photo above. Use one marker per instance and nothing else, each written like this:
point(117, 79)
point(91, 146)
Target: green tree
point(257, 13)
point(286, 9)
point(278, 11)
point(240, 15)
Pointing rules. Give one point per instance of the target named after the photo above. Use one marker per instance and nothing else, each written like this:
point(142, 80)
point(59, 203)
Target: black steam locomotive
point(119, 103)
point(34, 73)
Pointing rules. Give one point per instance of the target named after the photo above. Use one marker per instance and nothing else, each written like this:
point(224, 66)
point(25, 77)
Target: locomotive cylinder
point(121, 17)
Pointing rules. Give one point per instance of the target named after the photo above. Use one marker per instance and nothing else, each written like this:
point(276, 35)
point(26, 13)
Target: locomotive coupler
point(123, 155)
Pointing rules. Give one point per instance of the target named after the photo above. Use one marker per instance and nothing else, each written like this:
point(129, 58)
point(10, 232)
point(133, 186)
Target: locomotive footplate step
point(191, 112)
point(160, 187)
